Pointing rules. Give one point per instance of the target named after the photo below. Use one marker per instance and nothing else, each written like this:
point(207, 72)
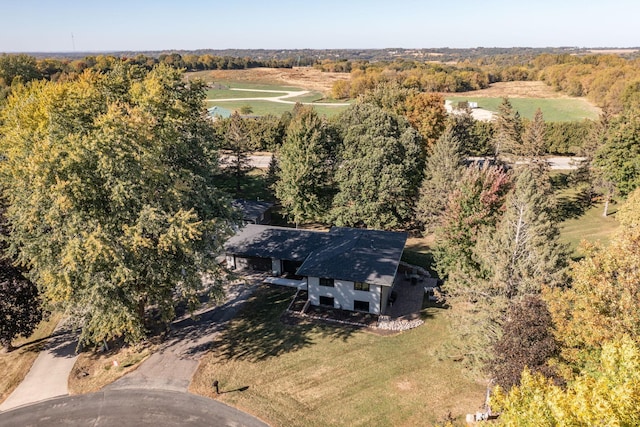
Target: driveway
point(171, 368)
point(129, 408)
point(49, 373)
point(173, 365)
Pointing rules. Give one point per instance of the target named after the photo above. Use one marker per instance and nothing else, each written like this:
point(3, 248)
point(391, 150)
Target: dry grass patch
point(94, 370)
point(322, 375)
point(303, 77)
point(535, 89)
point(16, 364)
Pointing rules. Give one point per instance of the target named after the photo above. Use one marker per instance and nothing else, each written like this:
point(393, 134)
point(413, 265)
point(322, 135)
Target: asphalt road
point(129, 408)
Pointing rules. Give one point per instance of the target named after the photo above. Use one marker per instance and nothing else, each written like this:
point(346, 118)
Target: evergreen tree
point(305, 169)
point(587, 175)
point(444, 167)
point(379, 171)
point(471, 133)
point(524, 253)
point(533, 140)
point(508, 130)
point(472, 209)
point(238, 144)
point(619, 157)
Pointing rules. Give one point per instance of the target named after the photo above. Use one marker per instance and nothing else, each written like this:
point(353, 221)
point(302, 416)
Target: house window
point(326, 282)
point(328, 301)
point(361, 305)
point(361, 286)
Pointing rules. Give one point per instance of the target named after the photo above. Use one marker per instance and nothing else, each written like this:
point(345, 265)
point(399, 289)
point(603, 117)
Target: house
point(345, 268)
point(254, 211)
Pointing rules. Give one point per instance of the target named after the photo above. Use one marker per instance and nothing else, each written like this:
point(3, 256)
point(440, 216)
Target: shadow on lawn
point(258, 333)
point(574, 206)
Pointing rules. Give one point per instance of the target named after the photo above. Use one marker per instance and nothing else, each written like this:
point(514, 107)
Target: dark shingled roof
point(358, 255)
point(274, 242)
point(252, 210)
point(353, 254)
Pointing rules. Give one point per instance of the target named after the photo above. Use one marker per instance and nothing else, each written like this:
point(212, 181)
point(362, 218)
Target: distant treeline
point(610, 81)
point(507, 56)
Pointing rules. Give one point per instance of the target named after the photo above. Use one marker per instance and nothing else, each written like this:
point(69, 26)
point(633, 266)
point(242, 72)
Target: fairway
point(554, 110)
point(266, 99)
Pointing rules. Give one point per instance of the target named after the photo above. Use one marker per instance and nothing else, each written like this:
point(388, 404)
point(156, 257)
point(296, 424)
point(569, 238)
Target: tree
point(237, 143)
point(533, 140)
point(379, 170)
point(305, 168)
point(605, 393)
point(475, 136)
point(112, 198)
point(619, 157)
point(14, 68)
point(587, 174)
point(508, 129)
point(523, 253)
point(603, 301)
point(426, 113)
point(527, 341)
point(20, 307)
point(444, 167)
point(473, 208)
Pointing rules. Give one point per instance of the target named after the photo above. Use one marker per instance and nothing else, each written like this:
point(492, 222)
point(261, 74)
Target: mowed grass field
point(264, 107)
point(325, 375)
point(554, 110)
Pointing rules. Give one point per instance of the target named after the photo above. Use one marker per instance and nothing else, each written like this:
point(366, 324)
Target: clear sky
point(114, 25)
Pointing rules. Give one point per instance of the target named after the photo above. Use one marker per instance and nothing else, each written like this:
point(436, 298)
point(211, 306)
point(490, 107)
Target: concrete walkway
point(49, 373)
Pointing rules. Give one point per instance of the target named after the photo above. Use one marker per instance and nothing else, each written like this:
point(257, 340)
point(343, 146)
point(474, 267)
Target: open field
point(240, 94)
point(535, 89)
point(16, 364)
point(324, 375)
point(554, 110)
point(301, 77)
point(262, 108)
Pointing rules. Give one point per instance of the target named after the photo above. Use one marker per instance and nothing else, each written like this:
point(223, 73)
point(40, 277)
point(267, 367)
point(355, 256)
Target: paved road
point(261, 161)
point(129, 408)
point(49, 373)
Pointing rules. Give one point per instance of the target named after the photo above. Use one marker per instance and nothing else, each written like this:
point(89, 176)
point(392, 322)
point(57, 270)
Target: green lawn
point(554, 110)
point(590, 226)
point(322, 375)
point(262, 108)
point(579, 220)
